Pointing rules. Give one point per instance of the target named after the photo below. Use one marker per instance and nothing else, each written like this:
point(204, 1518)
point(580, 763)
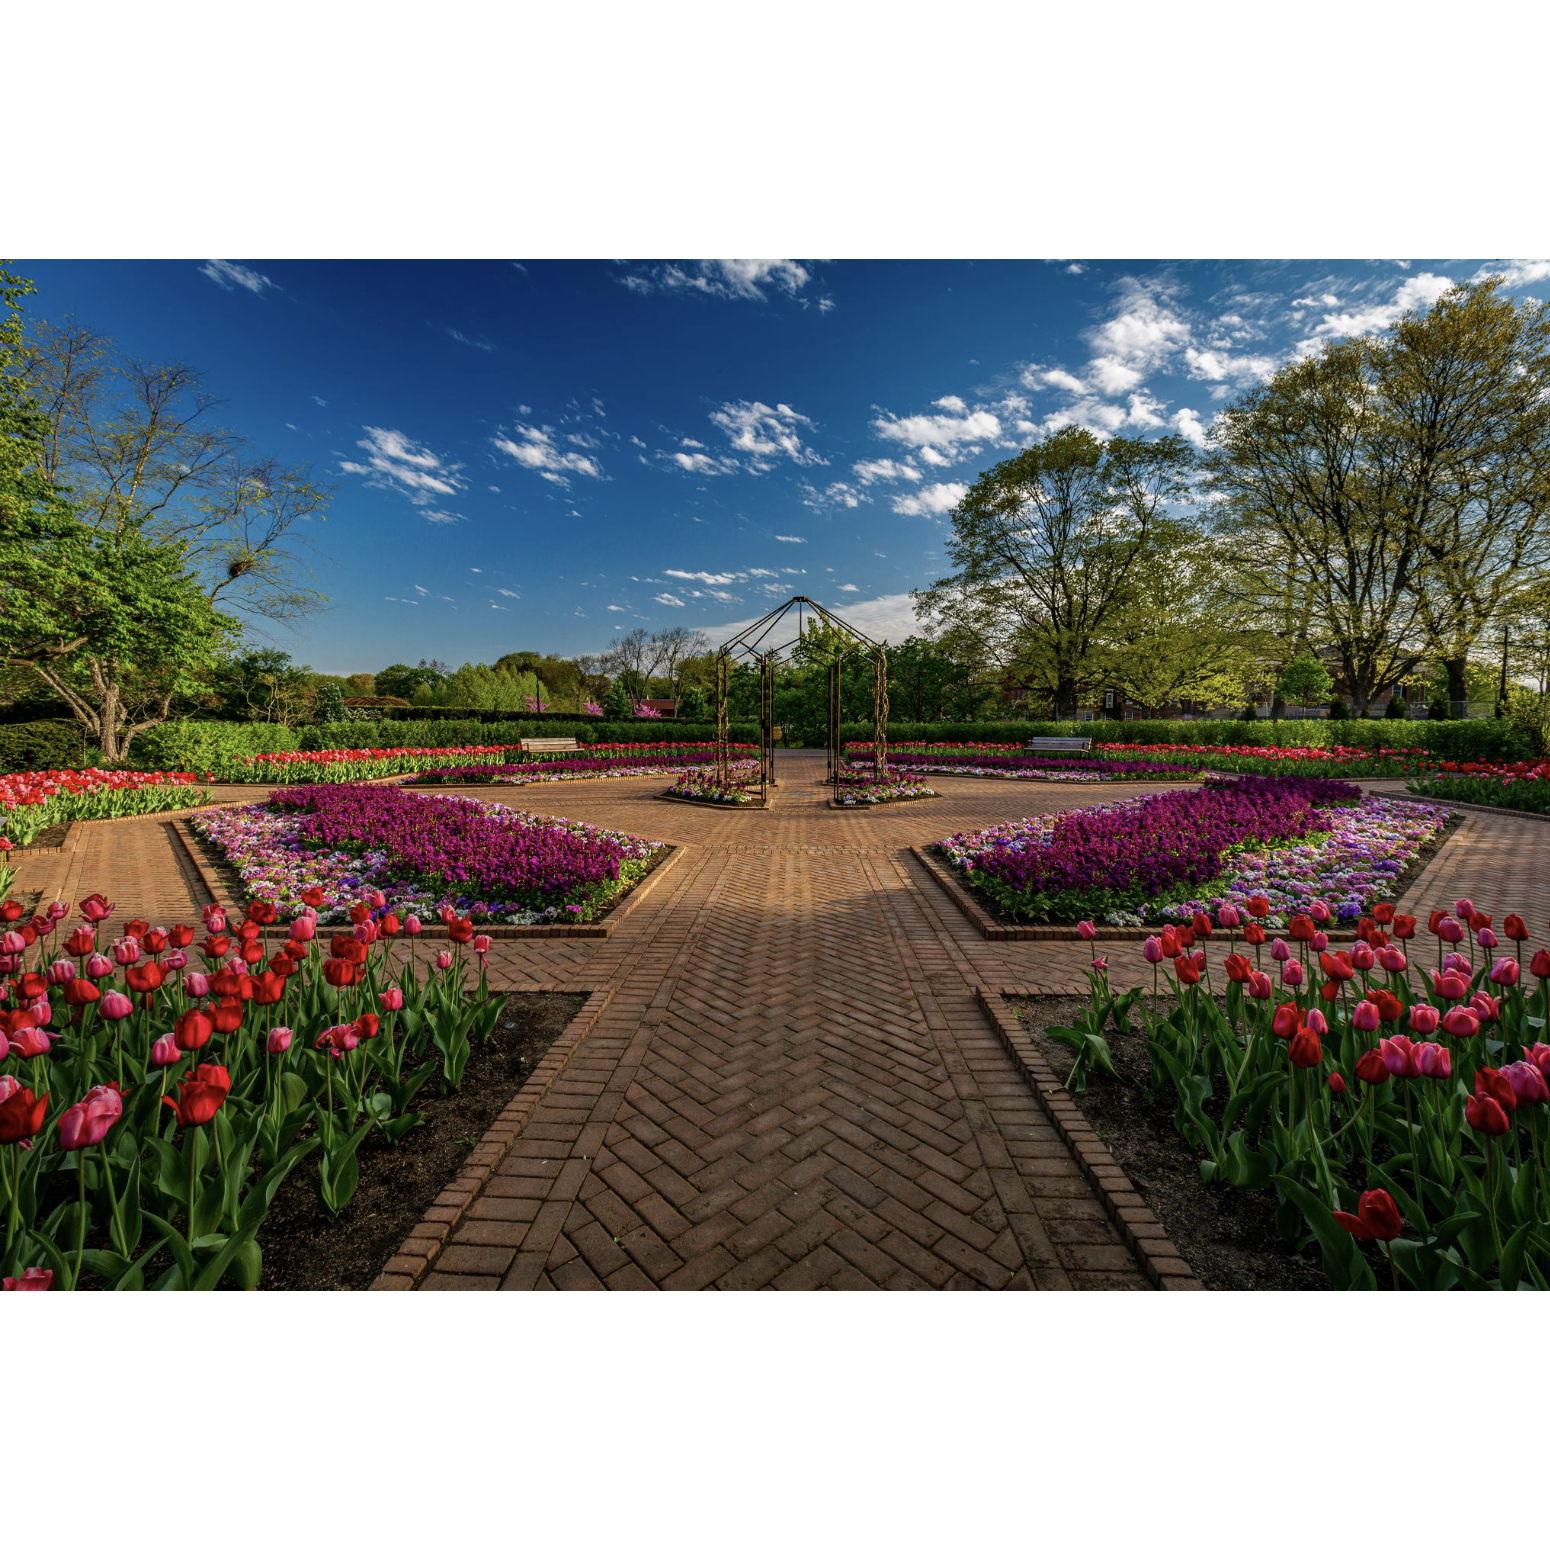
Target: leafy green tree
point(1305, 681)
point(328, 701)
point(261, 685)
point(618, 702)
point(692, 705)
point(1046, 550)
point(111, 617)
point(404, 682)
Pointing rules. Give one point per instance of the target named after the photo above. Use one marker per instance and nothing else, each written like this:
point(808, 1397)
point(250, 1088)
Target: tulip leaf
point(1511, 1270)
point(1343, 1260)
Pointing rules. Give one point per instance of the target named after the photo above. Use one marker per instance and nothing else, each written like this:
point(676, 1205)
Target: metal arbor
point(768, 641)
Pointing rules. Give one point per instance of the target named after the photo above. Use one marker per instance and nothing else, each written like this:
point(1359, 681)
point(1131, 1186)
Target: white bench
point(550, 745)
point(1059, 744)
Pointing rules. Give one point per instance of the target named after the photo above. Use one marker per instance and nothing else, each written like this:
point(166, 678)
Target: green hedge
point(1486, 739)
point(202, 745)
point(42, 745)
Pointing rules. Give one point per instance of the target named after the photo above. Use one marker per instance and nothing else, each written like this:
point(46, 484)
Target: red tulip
point(95, 908)
point(1187, 969)
point(368, 1024)
point(1238, 968)
point(1516, 928)
point(193, 1029)
point(22, 1111)
point(200, 1095)
point(1404, 927)
point(1371, 1068)
point(227, 1014)
point(1377, 1218)
point(462, 930)
point(1304, 1050)
point(1336, 1083)
point(36, 1279)
point(1286, 1020)
point(1257, 905)
point(1490, 1083)
point(312, 897)
point(1539, 964)
point(1487, 1116)
point(340, 974)
point(1253, 933)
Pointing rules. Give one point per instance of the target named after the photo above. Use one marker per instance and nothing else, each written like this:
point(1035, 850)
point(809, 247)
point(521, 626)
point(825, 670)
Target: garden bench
point(550, 745)
point(1059, 744)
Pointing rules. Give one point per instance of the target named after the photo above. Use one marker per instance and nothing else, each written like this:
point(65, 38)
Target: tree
point(110, 617)
point(403, 681)
point(675, 647)
point(328, 703)
point(261, 685)
point(1305, 681)
point(136, 442)
point(692, 705)
point(1395, 491)
point(1046, 548)
point(618, 702)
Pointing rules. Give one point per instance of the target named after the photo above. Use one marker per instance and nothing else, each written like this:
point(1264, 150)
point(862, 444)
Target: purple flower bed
point(1040, 766)
point(423, 851)
point(1141, 854)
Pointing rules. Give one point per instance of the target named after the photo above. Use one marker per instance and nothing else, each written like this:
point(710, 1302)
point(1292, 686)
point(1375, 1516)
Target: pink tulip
point(1086, 930)
point(1364, 1017)
point(1291, 973)
point(1505, 971)
point(61, 971)
point(1450, 930)
point(115, 1006)
point(1450, 986)
point(1319, 941)
point(367, 932)
point(1398, 1055)
point(1527, 1081)
point(1319, 910)
point(1316, 1022)
point(1486, 937)
point(57, 909)
point(279, 1040)
point(88, 1122)
point(482, 945)
point(126, 951)
point(99, 967)
point(43, 1011)
point(196, 984)
point(165, 1051)
point(303, 928)
point(1540, 1055)
point(214, 919)
point(1485, 1006)
point(1228, 917)
point(1279, 950)
point(95, 908)
point(176, 959)
point(1434, 1060)
point(1393, 960)
point(1461, 1023)
point(14, 943)
point(392, 999)
point(412, 925)
point(1457, 963)
point(1259, 985)
point(444, 959)
point(1424, 1018)
point(1100, 965)
point(1463, 908)
point(1362, 957)
point(1151, 950)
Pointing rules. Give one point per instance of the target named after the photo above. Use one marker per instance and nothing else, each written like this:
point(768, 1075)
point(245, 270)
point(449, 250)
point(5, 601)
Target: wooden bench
point(550, 745)
point(1059, 744)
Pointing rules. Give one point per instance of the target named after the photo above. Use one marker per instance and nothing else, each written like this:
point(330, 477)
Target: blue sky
point(539, 455)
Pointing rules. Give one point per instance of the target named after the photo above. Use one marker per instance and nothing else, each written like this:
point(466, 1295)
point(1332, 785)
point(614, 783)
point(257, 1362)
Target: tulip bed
point(40, 799)
point(1151, 761)
point(1154, 858)
point(1523, 786)
point(1391, 1095)
point(327, 847)
point(607, 763)
point(155, 1091)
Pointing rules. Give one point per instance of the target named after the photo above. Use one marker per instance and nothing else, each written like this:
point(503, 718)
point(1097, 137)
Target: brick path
point(792, 1083)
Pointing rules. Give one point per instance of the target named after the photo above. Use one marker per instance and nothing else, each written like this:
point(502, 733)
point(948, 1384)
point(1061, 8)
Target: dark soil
point(1227, 1235)
point(308, 1249)
point(50, 838)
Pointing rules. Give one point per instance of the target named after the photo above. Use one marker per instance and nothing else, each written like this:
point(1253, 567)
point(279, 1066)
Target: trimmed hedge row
point(42, 745)
point(201, 745)
point(1484, 739)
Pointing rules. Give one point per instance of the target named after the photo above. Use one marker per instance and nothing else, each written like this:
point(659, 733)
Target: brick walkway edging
point(417, 1255)
point(1135, 1222)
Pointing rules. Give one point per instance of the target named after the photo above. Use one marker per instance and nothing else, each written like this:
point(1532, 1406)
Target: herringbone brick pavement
point(792, 1084)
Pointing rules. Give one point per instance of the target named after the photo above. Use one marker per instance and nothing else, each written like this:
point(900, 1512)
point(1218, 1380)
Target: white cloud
point(1417, 292)
point(441, 518)
point(1056, 378)
point(837, 494)
point(1142, 335)
point(848, 586)
point(231, 276)
point(704, 463)
point(1187, 423)
point(788, 538)
point(1516, 271)
point(471, 340)
point(507, 592)
point(736, 279)
point(617, 608)
point(763, 432)
point(873, 469)
point(958, 431)
point(668, 600)
point(1075, 268)
point(395, 461)
point(711, 578)
point(533, 447)
point(1104, 419)
point(932, 501)
point(1222, 366)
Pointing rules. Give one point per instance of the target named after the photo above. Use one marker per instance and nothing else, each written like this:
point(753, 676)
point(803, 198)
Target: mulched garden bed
point(308, 1249)
point(1227, 1235)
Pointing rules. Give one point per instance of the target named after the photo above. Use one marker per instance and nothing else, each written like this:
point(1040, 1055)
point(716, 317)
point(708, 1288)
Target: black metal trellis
point(766, 642)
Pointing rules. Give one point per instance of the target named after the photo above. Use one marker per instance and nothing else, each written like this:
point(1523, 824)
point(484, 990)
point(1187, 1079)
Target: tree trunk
point(1065, 697)
point(1458, 678)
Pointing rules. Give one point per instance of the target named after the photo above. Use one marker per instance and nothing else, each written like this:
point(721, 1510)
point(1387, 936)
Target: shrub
point(1480, 739)
point(42, 745)
point(201, 745)
point(1396, 710)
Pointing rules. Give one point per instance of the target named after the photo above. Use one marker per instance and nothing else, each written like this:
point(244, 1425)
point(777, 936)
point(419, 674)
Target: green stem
point(80, 1220)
